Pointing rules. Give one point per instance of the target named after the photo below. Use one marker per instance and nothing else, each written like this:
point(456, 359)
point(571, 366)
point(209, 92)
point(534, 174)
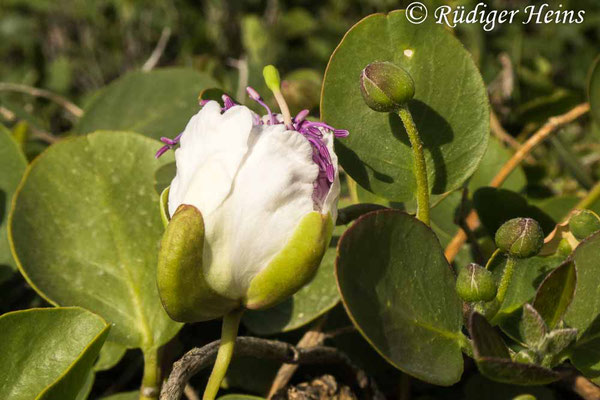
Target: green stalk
point(505, 281)
point(420, 165)
point(231, 323)
point(592, 196)
point(151, 378)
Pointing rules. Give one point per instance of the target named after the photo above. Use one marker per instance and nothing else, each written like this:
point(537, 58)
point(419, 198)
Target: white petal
point(212, 147)
point(271, 193)
point(331, 200)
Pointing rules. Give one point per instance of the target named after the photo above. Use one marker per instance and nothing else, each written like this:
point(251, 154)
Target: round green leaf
point(156, 103)
point(584, 311)
point(309, 303)
point(398, 290)
point(12, 167)
point(450, 107)
point(47, 353)
point(85, 229)
point(594, 90)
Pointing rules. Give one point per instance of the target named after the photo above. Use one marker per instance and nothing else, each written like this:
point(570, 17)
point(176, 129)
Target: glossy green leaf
point(584, 312)
point(496, 206)
point(390, 262)
point(90, 207)
point(493, 359)
point(156, 103)
point(495, 157)
point(48, 353)
point(309, 303)
point(12, 167)
point(450, 107)
point(110, 355)
point(555, 294)
point(594, 90)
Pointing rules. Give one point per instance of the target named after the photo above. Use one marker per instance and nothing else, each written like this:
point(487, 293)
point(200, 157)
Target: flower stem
point(231, 323)
point(420, 165)
point(151, 378)
point(505, 281)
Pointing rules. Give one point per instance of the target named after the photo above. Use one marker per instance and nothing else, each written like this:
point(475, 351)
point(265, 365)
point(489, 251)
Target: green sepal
point(294, 266)
point(164, 206)
point(183, 290)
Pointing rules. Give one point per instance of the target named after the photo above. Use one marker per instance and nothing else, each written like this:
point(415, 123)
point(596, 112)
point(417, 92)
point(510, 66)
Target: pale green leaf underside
point(89, 206)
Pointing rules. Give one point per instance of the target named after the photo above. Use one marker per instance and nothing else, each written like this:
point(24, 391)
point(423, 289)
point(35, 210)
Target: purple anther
point(162, 151)
point(203, 102)
point(301, 116)
point(169, 144)
point(340, 133)
point(253, 94)
point(227, 102)
point(168, 141)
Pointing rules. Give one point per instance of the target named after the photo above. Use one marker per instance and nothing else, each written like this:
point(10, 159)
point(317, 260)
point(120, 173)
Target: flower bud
point(250, 211)
point(520, 237)
point(475, 283)
point(584, 223)
point(386, 87)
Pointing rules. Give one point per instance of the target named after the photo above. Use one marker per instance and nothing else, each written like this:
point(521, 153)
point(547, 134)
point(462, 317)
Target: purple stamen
point(311, 130)
point(162, 151)
point(227, 102)
point(301, 116)
point(253, 94)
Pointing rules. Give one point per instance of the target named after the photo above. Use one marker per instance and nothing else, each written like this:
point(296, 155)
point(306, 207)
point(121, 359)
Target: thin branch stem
point(552, 125)
point(158, 50)
point(499, 131)
point(198, 359)
point(420, 165)
point(33, 91)
point(313, 337)
point(538, 137)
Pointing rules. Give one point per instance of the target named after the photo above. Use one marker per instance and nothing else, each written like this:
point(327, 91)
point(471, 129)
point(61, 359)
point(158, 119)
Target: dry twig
point(538, 137)
point(158, 50)
point(58, 99)
point(197, 359)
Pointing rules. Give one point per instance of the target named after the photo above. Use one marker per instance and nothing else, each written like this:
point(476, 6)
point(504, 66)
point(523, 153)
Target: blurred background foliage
point(75, 47)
